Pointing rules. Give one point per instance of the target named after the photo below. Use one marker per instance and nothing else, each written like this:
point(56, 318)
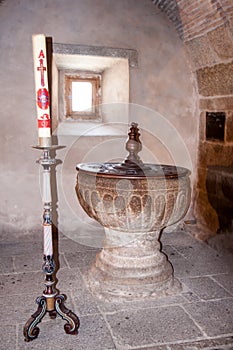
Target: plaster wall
point(162, 82)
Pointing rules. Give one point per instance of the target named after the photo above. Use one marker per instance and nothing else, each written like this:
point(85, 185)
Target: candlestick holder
point(50, 302)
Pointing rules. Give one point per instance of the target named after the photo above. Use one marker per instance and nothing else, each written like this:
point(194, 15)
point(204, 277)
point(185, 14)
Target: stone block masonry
point(215, 80)
point(196, 18)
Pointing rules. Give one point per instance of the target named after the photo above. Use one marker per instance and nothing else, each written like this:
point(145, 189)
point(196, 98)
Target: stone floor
point(201, 317)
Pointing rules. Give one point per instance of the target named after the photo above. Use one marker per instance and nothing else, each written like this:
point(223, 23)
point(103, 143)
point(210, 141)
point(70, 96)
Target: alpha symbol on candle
point(41, 54)
point(42, 68)
point(43, 98)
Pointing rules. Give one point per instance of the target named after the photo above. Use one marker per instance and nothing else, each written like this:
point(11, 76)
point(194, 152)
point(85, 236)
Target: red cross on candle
point(42, 69)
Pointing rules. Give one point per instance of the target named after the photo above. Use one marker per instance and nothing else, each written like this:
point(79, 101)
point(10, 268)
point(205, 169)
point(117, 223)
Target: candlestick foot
point(31, 331)
point(72, 325)
point(52, 314)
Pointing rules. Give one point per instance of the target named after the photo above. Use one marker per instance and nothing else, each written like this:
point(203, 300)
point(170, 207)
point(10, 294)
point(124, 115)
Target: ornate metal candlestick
point(50, 301)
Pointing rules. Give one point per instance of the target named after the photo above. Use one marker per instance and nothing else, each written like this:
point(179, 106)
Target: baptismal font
point(134, 202)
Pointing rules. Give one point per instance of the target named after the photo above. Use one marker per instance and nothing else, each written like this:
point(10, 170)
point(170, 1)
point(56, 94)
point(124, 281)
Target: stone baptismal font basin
point(133, 201)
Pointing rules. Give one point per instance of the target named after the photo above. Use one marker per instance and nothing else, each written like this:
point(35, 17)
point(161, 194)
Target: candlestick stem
point(50, 301)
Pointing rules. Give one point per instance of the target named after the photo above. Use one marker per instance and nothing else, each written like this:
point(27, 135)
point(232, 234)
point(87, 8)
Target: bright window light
point(81, 96)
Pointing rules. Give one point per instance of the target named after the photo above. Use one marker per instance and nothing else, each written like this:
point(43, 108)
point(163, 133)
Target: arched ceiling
point(194, 18)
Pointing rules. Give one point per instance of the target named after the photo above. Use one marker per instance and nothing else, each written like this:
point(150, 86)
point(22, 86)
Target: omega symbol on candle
point(44, 121)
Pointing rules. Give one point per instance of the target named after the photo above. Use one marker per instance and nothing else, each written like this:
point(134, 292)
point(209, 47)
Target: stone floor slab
point(70, 246)
point(156, 326)
point(18, 283)
point(93, 335)
point(17, 309)
point(205, 266)
point(196, 249)
point(24, 263)
point(82, 260)
point(20, 248)
point(214, 317)
point(171, 251)
point(109, 307)
point(177, 239)
point(84, 303)
point(22, 236)
point(201, 255)
point(191, 296)
point(6, 264)
point(35, 235)
point(207, 344)
point(8, 337)
point(153, 347)
point(205, 288)
point(226, 281)
point(69, 280)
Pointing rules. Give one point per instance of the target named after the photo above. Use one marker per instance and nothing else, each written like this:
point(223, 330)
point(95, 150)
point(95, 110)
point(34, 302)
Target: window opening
point(82, 96)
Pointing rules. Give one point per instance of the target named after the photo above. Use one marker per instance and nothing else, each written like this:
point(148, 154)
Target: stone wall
point(216, 90)
point(211, 55)
point(162, 81)
point(206, 27)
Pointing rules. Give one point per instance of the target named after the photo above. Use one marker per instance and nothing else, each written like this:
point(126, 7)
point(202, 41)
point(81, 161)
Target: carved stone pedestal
point(131, 266)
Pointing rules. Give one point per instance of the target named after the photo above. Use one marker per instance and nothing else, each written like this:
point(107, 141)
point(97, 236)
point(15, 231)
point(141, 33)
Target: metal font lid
point(133, 166)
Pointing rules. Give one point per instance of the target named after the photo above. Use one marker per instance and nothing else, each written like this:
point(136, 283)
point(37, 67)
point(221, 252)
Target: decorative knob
point(133, 145)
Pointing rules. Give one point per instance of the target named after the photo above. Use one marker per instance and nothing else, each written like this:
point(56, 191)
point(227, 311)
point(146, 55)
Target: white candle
point(42, 90)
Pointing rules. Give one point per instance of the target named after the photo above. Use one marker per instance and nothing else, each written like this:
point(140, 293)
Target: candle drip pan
point(133, 201)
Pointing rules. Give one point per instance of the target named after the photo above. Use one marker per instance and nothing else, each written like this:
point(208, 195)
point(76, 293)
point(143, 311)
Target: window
point(102, 75)
point(82, 96)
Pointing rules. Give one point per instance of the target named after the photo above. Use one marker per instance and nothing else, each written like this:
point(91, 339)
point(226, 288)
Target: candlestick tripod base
point(31, 331)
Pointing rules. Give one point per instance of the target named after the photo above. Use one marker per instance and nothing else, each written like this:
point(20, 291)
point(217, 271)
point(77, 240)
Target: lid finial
point(133, 145)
